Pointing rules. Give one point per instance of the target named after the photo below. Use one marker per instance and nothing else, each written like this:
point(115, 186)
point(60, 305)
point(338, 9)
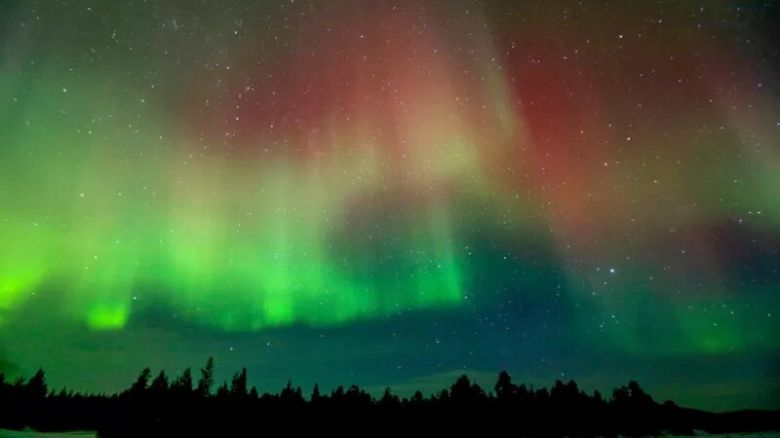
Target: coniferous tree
point(463, 391)
point(223, 392)
point(505, 389)
point(182, 385)
point(139, 386)
point(315, 394)
point(238, 386)
point(206, 378)
point(36, 387)
point(565, 410)
point(389, 399)
point(159, 386)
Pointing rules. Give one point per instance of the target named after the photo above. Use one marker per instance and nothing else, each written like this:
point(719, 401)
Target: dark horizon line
point(182, 405)
point(162, 379)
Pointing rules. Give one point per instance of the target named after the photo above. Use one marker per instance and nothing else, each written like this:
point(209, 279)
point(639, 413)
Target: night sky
point(394, 193)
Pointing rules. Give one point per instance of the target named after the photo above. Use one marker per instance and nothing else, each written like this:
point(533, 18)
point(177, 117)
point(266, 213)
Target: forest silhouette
point(162, 405)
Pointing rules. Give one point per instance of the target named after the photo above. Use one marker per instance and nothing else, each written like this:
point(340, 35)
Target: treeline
point(182, 406)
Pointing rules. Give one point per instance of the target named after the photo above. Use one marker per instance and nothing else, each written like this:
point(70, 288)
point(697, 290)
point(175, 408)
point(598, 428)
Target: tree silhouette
point(140, 384)
point(389, 400)
point(463, 391)
point(315, 394)
point(238, 386)
point(505, 389)
point(290, 395)
point(182, 385)
point(165, 408)
point(159, 385)
point(36, 387)
point(206, 378)
point(223, 392)
point(356, 396)
point(638, 395)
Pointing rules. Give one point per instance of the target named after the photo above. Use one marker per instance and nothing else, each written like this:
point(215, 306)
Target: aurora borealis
point(393, 191)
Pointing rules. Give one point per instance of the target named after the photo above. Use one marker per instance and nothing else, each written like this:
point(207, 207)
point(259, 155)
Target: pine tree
point(140, 384)
point(183, 384)
point(36, 387)
point(238, 385)
point(206, 378)
point(315, 394)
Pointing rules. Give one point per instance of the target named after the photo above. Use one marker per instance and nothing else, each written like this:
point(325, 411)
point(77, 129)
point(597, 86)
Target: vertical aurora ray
point(239, 244)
